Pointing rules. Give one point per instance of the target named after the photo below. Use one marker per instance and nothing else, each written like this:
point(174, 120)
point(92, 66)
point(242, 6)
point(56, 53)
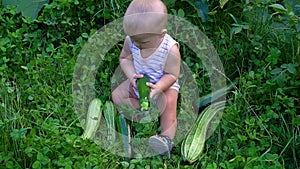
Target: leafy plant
point(29, 9)
point(257, 41)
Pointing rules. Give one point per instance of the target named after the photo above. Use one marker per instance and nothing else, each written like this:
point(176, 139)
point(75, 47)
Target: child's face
point(145, 23)
point(147, 40)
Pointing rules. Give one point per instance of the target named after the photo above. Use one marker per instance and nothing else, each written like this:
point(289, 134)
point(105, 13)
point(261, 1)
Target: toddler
point(149, 50)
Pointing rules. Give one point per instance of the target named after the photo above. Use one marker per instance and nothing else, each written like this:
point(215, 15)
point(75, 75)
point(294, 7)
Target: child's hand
point(134, 78)
point(154, 89)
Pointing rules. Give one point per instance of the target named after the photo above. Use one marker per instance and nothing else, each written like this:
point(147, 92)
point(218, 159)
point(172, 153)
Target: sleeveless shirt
point(154, 65)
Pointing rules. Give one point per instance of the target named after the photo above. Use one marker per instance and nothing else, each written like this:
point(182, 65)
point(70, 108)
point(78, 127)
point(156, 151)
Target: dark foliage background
point(257, 41)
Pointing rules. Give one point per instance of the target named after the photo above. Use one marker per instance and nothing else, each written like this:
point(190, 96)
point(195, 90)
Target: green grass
point(39, 127)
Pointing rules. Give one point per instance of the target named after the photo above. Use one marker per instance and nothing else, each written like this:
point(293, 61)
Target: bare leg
point(124, 94)
point(167, 103)
point(168, 118)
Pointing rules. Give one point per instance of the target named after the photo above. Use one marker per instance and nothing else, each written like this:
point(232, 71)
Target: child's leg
point(167, 103)
point(168, 117)
point(124, 94)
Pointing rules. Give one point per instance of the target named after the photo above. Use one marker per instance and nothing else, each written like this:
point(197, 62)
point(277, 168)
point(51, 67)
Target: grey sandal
point(161, 144)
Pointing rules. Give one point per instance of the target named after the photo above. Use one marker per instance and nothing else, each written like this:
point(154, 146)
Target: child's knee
point(117, 96)
point(171, 97)
point(114, 96)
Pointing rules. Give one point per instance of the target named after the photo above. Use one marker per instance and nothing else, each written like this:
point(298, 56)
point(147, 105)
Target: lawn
point(58, 55)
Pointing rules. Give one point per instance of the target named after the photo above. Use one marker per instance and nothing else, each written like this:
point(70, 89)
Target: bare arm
point(126, 63)
point(172, 70)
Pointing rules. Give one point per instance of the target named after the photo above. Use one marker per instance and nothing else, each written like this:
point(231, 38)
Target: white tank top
point(154, 65)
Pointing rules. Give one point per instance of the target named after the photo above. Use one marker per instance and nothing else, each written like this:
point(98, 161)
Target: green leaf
point(280, 79)
point(28, 151)
point(124, 164)
point(236, 30)
point(18, 133)
point(3, 49)
point(290, 67)
point(201, 6)
point(9, 2)
point(223, 2)
point(296, 121)
point(276, 71)
point(42, 158)
point(37, 164)
point(205, 100)
point(181, 13)
point(251, 74)
point(28, 8)
point(5, 59)
point(234, 18)
point(50, 48)
point(273, 56)
point(9, 164)
point(169, 2)
point(85, 35)
point(278, 8)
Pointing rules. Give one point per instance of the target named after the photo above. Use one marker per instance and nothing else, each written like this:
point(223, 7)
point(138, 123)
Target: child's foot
point(161, 144)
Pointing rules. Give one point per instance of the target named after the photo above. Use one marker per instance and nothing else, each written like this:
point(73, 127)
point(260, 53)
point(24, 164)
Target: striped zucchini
point(93, 119)
point(109, 112)
point(193, 145)
point(124, 130)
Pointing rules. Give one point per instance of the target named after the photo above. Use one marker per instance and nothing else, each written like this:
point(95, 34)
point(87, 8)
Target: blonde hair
point(145, 16)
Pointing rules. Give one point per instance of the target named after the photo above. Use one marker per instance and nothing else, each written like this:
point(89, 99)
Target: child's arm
point(126, 63)
point(172, 69)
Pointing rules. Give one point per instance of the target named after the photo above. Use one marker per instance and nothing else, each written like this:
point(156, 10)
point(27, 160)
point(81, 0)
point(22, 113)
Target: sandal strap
point(161, 144)
point(168, 139)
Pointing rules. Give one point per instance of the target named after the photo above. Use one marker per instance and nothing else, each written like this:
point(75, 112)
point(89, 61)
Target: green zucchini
point(92, 119)
point(144, 92)
point(109, 112)
point(124, 130)
point(192, 146)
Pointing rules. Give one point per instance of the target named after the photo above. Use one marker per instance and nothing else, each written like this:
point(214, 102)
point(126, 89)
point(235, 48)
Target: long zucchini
point(144, 92)
point(109, 112)
point(92, 119)
point(193, 145)
point(124, 130)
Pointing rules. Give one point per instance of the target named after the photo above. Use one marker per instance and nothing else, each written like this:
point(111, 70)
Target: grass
point(39, 127)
